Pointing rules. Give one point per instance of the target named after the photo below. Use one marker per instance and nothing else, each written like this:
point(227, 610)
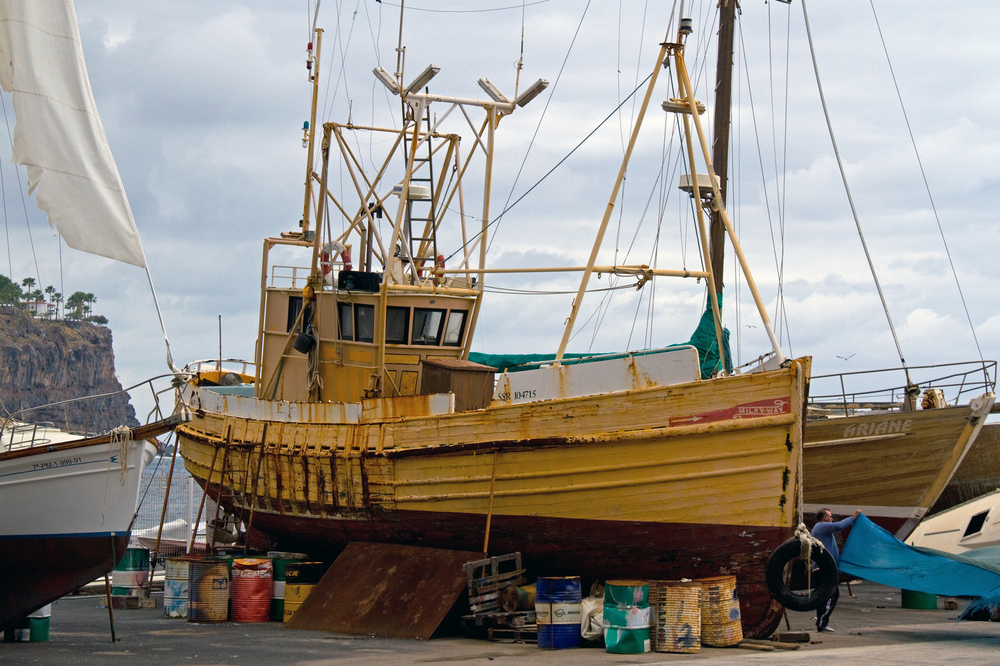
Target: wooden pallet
point(525, 634)
point(515, 627)
point(487, 577)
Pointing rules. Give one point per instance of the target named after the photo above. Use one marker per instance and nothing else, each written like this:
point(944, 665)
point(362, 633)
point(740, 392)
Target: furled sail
point(59, 137)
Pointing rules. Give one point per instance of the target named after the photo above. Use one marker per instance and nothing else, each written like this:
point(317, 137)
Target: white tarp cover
point(59, 136)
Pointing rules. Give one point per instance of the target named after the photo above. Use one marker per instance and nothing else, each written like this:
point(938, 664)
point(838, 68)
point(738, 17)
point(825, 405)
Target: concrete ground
point(870, 626)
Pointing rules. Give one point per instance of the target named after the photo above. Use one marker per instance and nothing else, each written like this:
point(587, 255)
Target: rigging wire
point(552, 170)
point(847, 189)
point(927, 186)
point(24, 206)
point(778, 168)
point(465, 11)
point(534, 136)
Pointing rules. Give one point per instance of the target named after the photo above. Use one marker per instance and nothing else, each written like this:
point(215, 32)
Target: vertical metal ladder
point(421, 231)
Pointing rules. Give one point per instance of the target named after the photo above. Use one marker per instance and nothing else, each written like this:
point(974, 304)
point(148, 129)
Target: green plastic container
point(38, 629)
point(919, 600)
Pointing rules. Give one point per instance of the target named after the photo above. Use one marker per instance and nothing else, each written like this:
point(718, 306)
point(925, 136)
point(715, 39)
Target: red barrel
point(251, 590)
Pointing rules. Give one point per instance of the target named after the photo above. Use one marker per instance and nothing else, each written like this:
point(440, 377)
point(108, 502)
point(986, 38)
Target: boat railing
point(888, 388)
point(16, 435)
point(295, 277)
point(238, 365)
point(288, 277)
point(25, 428)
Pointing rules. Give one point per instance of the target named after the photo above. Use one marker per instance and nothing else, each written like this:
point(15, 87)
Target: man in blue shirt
point(825, 531)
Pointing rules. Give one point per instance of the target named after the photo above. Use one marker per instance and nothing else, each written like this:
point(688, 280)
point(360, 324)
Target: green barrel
point(627, 616)
point(278, 588)
point(131, 574)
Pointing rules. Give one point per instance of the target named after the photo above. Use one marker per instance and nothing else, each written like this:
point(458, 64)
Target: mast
point(720, 146)
point(309, 135)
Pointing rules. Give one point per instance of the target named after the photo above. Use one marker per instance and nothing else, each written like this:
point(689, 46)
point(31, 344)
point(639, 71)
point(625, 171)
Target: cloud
point(203, 105)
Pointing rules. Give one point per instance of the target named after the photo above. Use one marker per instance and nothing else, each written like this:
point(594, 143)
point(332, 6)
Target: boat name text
point(518, 395)
point(886, 427)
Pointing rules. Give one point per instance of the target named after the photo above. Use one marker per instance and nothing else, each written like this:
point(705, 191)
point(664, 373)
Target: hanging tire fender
point(825, 576)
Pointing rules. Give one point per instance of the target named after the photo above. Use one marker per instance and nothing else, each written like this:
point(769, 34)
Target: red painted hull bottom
point(592, 549)
point(38, 570)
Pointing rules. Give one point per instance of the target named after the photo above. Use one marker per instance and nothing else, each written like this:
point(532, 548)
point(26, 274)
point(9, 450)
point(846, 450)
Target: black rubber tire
point(824, 577)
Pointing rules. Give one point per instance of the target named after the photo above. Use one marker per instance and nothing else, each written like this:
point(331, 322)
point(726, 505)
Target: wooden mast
point(720, 146)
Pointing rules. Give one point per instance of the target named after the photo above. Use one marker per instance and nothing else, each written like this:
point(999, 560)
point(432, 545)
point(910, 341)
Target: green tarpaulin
point(703, 339)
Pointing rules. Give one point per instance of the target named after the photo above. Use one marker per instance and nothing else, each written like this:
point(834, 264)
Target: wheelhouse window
point(364, 323)
point(427, 326)
point(294, 308)
point(456, 326)
point(345, 311)
point(397, 325)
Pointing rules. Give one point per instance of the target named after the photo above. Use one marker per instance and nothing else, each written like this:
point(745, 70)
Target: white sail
point(59, 137)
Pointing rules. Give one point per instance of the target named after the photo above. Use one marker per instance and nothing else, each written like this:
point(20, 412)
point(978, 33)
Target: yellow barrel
point(294, 596)
point(514, 598)
point(677, 616)
point(208, 589)
point(721, 624)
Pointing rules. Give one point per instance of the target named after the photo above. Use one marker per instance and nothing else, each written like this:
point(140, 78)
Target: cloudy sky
point(203, 104)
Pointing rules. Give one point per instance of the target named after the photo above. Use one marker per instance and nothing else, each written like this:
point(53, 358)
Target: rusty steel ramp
point(385, 590)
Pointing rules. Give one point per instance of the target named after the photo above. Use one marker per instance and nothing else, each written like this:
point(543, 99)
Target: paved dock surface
point(870, 627)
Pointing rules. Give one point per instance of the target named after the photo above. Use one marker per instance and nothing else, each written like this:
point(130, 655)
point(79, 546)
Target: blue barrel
point(175, 587)
point(557, 612)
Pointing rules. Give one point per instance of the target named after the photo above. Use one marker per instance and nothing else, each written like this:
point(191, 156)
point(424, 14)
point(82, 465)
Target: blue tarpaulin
point(874, 554)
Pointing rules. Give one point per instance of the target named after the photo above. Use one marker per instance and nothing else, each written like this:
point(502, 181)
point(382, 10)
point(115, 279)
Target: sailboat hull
point(692, 480)
point(68, 509)
point(892, 466)
point(38, 570)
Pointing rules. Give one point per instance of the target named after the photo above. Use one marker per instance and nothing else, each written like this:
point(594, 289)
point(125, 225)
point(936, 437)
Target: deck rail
point(23, 429)
point(887, 388)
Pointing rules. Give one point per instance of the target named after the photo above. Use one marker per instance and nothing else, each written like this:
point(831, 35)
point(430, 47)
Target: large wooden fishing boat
point(365, 420)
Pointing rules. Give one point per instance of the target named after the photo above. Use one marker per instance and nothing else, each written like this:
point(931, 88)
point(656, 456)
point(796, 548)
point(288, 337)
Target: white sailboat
point(69, 500)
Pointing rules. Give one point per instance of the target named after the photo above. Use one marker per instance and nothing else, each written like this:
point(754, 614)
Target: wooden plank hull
point(691, 480)
point(891, 465)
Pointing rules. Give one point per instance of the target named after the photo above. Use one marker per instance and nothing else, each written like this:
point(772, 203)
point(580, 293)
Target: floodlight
point(677, 106)
point(422, 79)
point(493, 91)
point(387, 80)
point(532, 92)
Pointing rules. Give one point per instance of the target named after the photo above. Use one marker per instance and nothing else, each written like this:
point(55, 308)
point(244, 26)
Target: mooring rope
point(121, 438)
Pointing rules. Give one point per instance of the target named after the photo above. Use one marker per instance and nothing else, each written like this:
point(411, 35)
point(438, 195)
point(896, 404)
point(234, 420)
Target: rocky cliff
point(44, 362)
